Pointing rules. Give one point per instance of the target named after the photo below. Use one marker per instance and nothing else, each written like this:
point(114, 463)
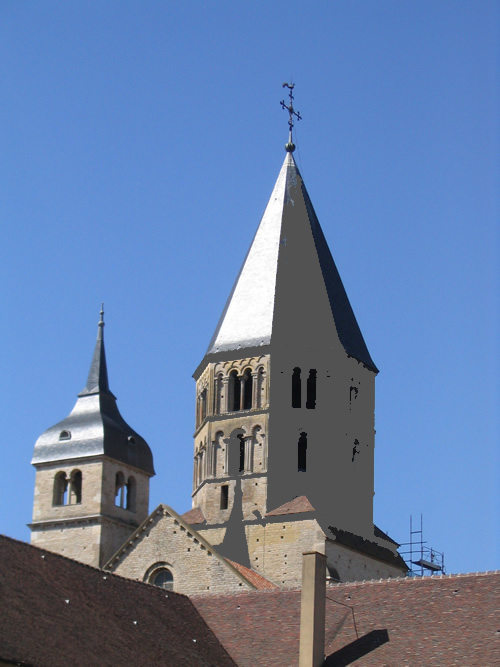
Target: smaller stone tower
point(92, 475)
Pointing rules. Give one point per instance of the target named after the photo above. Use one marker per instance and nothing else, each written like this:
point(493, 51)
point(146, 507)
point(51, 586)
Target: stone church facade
point(283, 445)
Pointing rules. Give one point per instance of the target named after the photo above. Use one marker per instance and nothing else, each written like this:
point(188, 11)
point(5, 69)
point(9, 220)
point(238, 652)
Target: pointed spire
point(97, 381)
point(289, 216)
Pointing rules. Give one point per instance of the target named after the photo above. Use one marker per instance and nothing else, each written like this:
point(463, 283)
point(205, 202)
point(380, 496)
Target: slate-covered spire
point(97, 381)
point(285, 237)
point(95, 426)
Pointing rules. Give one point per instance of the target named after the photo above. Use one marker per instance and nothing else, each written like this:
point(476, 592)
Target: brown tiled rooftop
point(260, 582)
point(193, 516)
point(295, 506)
point(56, 611)
point(435, 621)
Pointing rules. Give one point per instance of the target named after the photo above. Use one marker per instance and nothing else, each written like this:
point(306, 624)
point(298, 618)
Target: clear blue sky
point(139, 143)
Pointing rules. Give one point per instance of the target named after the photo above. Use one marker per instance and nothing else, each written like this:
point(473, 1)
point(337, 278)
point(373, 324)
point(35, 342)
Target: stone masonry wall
point(165, 542)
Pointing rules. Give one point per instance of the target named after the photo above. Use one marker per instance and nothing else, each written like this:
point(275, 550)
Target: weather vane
point(290, 146)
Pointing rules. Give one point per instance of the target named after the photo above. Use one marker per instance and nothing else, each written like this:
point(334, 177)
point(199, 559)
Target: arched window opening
point(65, 435)
point(163, 579)
point(353, 394)
point(260, 388)
point(234, 392)
point(119, 490)
point(224, 497)
point(311, 390)
point(302, 453)
point(131, 494)
point(247, 390)
point(60, 489)
point(296, 388)
point(203, 407)
point(242, 453)
point(75, 488)
point(332, 573)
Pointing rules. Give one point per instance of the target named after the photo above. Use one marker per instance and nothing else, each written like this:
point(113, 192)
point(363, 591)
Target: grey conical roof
point(247, 319)
point(95, 426)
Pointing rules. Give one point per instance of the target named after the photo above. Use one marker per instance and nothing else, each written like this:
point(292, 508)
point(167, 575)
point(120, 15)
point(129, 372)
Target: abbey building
point(283, 444)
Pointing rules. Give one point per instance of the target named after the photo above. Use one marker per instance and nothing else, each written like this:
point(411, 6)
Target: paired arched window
point(310, 388)
point(238, 392)
point(125, 492)
point(67, 491)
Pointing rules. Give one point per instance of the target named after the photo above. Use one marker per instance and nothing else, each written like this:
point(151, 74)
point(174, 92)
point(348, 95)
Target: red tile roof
point(440, 620)
point(260, 582)
point(295, 506)
point(56, 610)
point(193, 516)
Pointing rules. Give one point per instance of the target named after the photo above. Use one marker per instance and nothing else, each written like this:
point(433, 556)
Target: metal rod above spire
point(290, 146)
point(101, 320)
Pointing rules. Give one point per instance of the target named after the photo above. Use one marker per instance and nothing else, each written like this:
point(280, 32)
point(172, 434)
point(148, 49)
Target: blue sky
point(139, 144)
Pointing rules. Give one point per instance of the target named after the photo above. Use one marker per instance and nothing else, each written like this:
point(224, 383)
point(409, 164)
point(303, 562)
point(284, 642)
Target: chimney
point(312, 610)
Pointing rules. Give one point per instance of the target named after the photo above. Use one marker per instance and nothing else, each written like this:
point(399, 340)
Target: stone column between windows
point(210, 459)
point(247, 440)
point(225, 400)
point(255, 388)
point(226, 456)
point(242, 391)
point(264, 452)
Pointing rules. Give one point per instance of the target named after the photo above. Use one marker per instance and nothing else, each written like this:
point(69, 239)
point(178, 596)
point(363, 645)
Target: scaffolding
point(420, 559)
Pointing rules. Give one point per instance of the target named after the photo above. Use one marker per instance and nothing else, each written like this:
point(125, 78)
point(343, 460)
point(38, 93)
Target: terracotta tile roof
point(440, 620)
point(260, 582)
point(295, 506)
point(60, 610)
point(193, 516)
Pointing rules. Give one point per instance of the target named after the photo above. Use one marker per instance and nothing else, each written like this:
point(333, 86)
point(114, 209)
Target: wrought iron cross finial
point(290, 146)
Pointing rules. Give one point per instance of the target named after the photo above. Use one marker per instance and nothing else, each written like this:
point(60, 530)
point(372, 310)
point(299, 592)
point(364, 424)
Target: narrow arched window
point(242, 453)
point(60, 496)
point(302, 453)
point(131, 494)
point(234, 392)
point(311, 390)
point(247, 390)
point(75, 488)
point(163, 579)
point(119, 490)
point(224, 497)
point(296, 388)
point(203, 407)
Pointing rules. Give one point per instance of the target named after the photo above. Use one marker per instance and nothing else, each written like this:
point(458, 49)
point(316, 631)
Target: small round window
point(163, 579)
point(65, 435)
